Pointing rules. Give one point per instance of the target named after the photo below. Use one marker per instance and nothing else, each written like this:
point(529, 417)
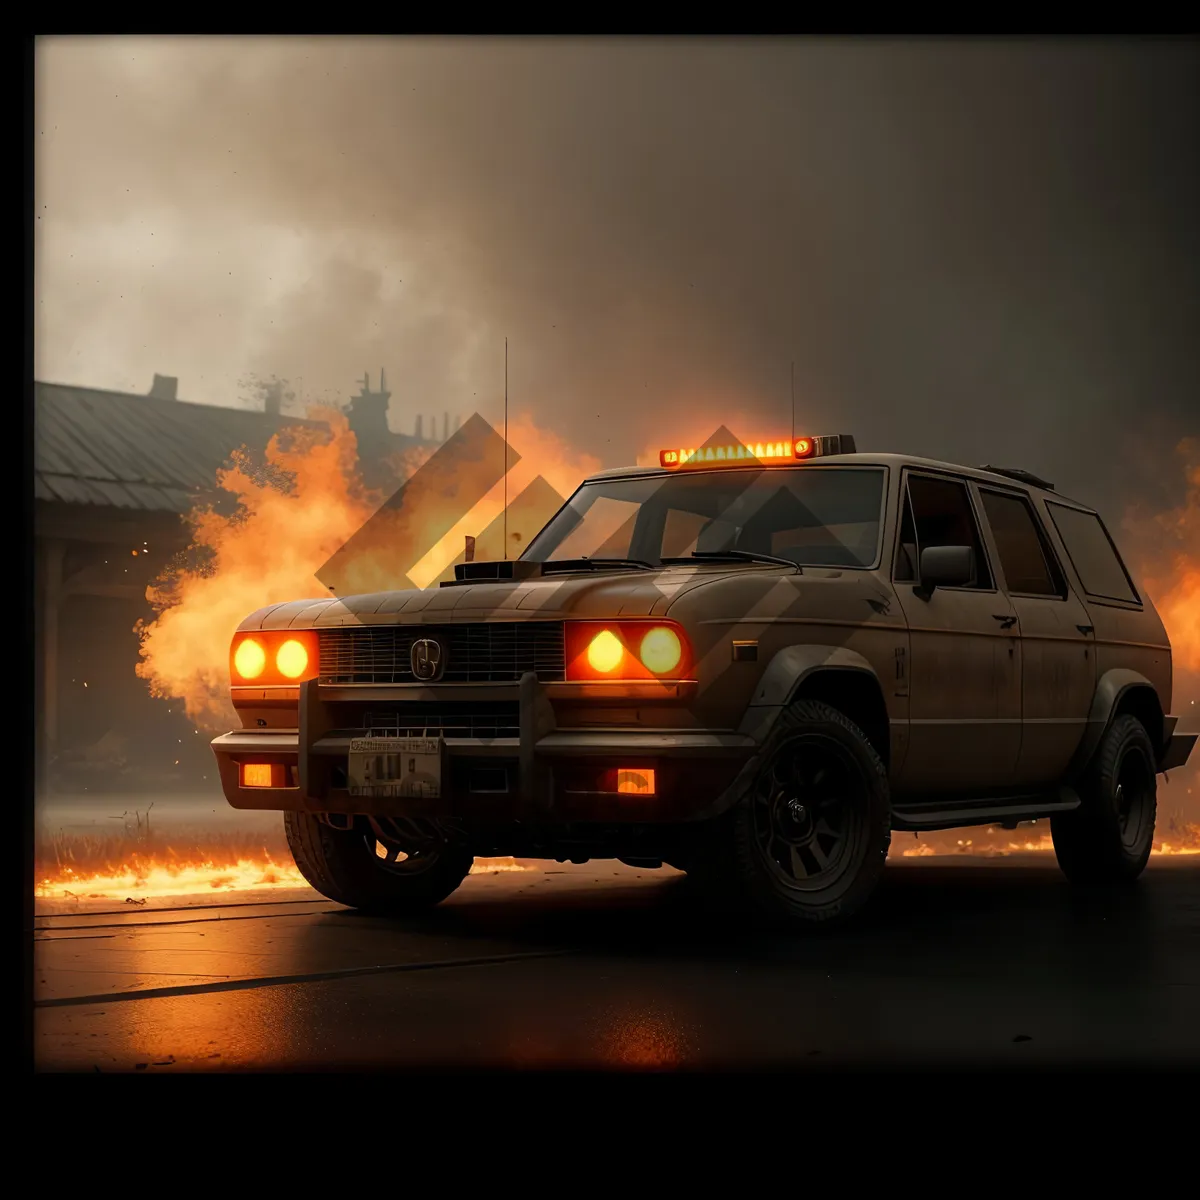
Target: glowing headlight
point(292, 659)
point(249, 659)
point(661, 650)
point(605, 652)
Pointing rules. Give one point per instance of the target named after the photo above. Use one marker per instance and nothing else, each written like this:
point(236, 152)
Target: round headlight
point(249, 659)
point(292, 659)
point(605, 652)
point(661, 650)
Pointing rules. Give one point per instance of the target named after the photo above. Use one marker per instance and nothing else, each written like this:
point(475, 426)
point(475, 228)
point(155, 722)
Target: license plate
point(395, 767)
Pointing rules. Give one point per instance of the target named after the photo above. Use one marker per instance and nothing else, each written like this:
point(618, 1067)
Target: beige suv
point(752, 663)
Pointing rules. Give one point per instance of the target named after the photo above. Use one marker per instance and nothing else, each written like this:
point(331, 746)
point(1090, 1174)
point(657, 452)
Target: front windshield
point(812, 516)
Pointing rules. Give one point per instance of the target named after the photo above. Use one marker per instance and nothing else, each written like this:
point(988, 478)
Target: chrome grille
point(480, 652)
point(448, 720)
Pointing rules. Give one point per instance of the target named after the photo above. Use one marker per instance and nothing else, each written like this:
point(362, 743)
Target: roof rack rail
point(1021, 476)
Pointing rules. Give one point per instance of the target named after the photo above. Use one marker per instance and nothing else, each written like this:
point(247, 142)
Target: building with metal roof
point(114, 473)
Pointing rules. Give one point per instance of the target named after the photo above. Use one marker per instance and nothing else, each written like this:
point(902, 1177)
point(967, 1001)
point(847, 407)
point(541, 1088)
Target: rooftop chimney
point(368, 415)
point(165, 387)
point(273, 397)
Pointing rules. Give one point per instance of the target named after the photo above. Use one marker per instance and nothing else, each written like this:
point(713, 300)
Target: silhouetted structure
point(114, 472)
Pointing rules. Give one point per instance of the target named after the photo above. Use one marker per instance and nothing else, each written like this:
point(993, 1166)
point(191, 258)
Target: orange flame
point(541, 453)
point(1165, 548)
point(153, 876)
point(1170, 548)
point(289, 520)
point(1174, 839)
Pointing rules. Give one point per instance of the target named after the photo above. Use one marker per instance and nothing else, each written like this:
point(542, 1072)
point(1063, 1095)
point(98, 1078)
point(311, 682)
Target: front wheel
point(375, 866)
point(807, 843)
point(1108, 838)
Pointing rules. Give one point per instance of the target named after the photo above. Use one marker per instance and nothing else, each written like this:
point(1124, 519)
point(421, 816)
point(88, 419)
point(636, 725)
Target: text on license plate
point(395, 767)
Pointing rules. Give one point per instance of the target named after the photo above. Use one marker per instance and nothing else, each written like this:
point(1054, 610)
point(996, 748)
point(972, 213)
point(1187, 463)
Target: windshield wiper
point(738, 556)
point(586, 564)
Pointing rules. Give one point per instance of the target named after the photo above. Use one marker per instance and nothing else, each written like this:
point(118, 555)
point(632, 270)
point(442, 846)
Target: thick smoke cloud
point(980, 251)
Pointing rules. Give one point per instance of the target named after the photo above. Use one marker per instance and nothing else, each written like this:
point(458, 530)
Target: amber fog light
point(635, 782)
point(264, 775)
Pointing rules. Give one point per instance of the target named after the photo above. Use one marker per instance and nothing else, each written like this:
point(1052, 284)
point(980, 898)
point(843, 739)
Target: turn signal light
point(626, 651)
point(273, 658)
point(635, 782)
point(263, 775)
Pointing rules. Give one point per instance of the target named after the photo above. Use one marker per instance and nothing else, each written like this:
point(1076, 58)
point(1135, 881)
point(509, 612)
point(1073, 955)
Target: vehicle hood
point(595, 594)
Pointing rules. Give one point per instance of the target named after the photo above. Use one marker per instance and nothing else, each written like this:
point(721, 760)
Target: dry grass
point(138, 846)
point(144, 858)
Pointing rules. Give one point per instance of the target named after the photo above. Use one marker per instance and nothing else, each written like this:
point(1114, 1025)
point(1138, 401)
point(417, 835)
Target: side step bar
point(960, 814)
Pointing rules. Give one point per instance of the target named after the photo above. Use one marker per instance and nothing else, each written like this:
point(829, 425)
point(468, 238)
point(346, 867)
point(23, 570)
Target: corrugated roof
point(95, 447)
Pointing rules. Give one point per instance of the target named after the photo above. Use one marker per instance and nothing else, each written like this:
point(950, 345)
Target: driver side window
point(937, 512)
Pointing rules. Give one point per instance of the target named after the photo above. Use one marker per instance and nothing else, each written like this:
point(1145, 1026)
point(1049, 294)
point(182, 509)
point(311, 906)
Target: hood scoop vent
point(492, 572)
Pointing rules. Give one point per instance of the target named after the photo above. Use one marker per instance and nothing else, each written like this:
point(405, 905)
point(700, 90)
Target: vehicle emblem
point(427, 659)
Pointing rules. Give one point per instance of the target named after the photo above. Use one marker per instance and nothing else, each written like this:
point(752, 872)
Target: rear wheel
point(1108, 838)
point(378, 865)
point(808, 841)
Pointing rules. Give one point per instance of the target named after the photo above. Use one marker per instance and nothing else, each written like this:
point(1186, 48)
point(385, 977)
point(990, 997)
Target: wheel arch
point(1120, 691)
point(835, 675)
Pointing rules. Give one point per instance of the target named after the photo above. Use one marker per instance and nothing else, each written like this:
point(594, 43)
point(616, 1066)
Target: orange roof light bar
point(787, 450)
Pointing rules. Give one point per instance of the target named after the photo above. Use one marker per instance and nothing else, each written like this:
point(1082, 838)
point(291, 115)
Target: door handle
point(1006, 622)
point(1086, 629)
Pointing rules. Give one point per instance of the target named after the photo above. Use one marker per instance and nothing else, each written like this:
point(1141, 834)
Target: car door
point(1058, 657)
point(965, 671)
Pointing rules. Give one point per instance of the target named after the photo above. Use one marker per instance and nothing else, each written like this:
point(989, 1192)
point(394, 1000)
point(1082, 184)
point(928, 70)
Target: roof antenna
point(793, 404)
point(506, 449)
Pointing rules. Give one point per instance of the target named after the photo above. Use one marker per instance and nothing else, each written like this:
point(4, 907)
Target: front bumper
point(548, 773)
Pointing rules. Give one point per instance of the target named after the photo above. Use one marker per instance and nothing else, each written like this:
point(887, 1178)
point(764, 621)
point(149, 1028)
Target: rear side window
point(1096, 560)
point(1028, 563)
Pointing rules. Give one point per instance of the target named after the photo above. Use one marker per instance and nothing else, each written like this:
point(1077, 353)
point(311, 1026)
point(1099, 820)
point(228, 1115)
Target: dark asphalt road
point(988, 962)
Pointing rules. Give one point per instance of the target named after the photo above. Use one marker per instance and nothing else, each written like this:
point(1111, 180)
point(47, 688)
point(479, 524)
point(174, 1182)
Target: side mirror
point(945, 566)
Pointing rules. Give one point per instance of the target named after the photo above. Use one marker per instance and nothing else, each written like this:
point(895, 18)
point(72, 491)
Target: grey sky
point(986, 251)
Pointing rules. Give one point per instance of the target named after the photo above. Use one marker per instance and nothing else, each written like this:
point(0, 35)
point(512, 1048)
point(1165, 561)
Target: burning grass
point(143, 861)
point(187, 862)
point(1174, 836)
point(139, 863)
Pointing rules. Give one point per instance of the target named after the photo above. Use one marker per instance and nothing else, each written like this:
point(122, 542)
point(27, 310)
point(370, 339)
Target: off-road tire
point(1092, 843)
point(342, 865)
point(731, 868)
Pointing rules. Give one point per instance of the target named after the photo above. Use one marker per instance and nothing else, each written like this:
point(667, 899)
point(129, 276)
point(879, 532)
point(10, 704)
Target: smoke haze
point(982, 251)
